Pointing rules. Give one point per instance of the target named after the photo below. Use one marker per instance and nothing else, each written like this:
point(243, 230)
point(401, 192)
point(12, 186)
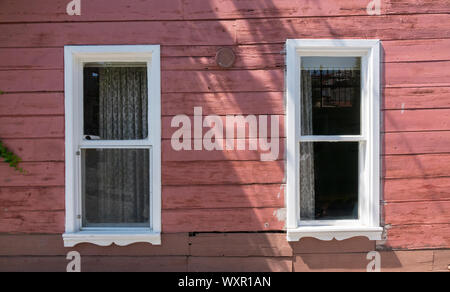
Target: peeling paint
point(280, 214)
point(281, 190)
point(403, 108)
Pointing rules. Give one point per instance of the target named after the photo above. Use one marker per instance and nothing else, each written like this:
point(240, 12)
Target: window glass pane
point(331, 96)
point(115, 102)
point(115, 187)
point(329, 174)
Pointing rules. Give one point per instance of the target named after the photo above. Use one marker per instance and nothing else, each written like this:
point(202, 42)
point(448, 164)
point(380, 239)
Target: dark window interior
point(91, 101)
point(331, 106)
point(336, 180)
point(336, 102)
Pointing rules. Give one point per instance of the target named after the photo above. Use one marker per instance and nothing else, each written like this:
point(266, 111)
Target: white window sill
point(107, 238)
point(334, 232)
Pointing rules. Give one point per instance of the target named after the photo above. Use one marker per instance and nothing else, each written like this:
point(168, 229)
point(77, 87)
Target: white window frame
point(368, 224)
point(74, 59)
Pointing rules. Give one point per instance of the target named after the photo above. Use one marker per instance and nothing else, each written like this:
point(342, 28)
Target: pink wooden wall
point(228, 191)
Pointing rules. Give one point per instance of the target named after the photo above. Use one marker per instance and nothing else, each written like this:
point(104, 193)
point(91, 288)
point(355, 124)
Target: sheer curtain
point(307, 193)
point(122, 186)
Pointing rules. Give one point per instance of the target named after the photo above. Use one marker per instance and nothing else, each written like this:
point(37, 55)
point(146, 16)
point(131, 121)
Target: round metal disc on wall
point(225, 57)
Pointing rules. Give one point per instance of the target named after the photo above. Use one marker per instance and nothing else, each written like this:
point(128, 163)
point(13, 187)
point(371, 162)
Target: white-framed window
point(113, 145)
point(333, 139)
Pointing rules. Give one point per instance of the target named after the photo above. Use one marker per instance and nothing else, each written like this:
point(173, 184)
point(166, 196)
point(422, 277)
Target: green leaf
point(10, 158)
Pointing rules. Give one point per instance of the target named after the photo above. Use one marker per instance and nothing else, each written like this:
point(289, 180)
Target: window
point(113, 145)
point(333, 139)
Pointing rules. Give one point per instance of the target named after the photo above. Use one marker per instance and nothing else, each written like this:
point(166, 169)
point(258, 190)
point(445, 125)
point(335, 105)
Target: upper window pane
point(331, 96)
point(115, 101)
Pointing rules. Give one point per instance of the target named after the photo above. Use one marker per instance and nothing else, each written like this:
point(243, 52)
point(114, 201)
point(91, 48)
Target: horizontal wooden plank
point(422, 189)
point(172, 81)
point(36, 174)
point(417, 74)
point(243, 61)
point(103, 10)
point(95, 264)
point(223, 220)
point(37, 150)
point(32, 127)
point(277, 152)
point(435, 212)
point(239, 264)
point(417, 98)
point(135, 264)
point(97, 10)
point(417, 166)
point(416, 142)
point(417, 120)
point(314, 246)
point(118, 33)
point(173, 57)
point(273, 9)
point(223, 196)
point(223, 32)
point(31, 80)
point(355, 262)
point(431, 236)
point(53, 245)
point(222, 81)
point(405, 261)
point(222, 172)
point(278, 30)
point(242, 51)
point(51, 222)
point(417, 6)
point(303, 8)
point(240, 245)
point(236, 103)
point(234, 121)
point(194, 57)
point(32, 104)
point(32, 199)
point(33, 264)
point(31, 58)
point(441, 261)
point(416, 50)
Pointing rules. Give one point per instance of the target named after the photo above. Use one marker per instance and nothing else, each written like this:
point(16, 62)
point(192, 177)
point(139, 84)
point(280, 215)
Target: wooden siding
point(226, 191)
point(181, 252)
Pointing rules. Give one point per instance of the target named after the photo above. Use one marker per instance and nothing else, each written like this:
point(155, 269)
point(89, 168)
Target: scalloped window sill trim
point(107, 239)
point(328, 233)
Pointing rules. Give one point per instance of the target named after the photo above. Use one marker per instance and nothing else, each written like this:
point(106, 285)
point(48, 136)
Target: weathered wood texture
point(195, 57)
point(209, 81)
point(228, 190)
point(96, 264)
point(419, 236)
point(406, 261)
point(181, 252)
point(224, 32)
point(150, 10)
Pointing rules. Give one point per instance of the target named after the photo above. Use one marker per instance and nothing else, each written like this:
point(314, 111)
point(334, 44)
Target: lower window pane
point(115, 187)
point(329, 178)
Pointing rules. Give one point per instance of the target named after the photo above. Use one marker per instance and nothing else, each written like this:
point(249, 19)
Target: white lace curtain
point(307, 193)
point(122, 186)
